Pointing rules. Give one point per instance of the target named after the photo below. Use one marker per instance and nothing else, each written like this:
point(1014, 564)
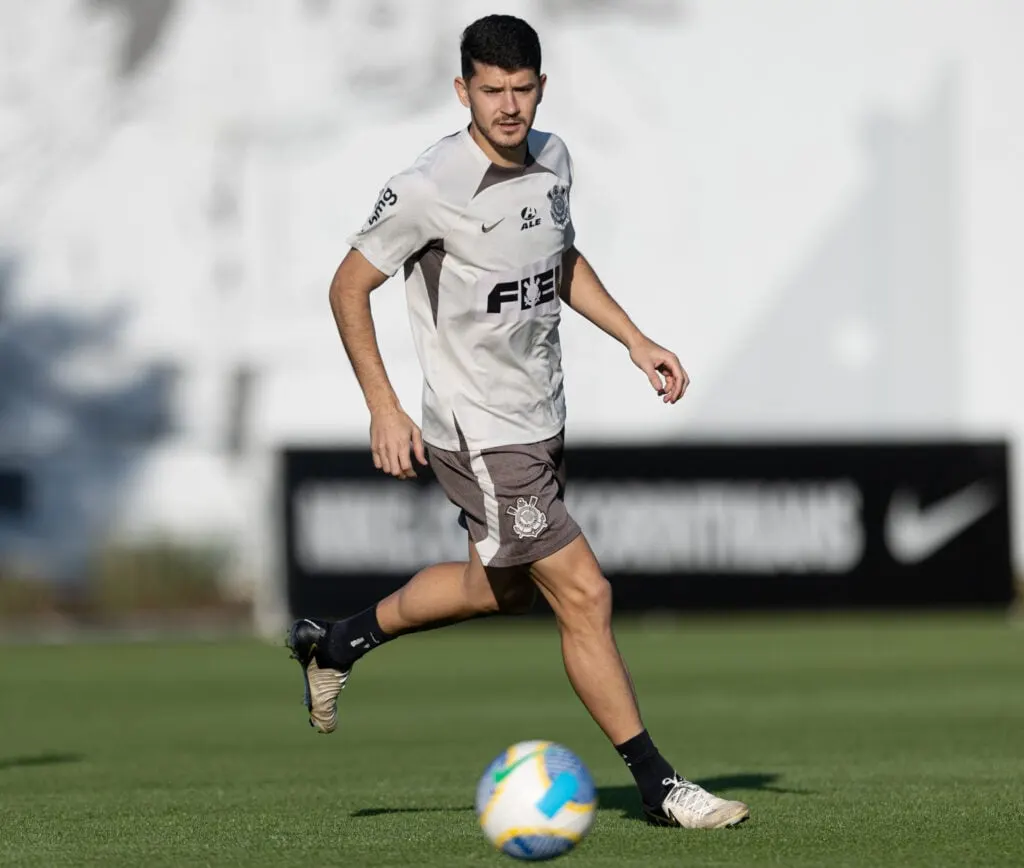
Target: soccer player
point(480, 224)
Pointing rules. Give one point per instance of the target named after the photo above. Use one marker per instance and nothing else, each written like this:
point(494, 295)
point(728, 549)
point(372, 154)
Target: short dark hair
point(500, 40)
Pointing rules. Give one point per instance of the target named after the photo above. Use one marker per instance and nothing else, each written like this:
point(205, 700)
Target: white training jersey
point(482, 249)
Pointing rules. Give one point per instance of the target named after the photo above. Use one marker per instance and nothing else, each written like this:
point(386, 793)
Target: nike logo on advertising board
point(913, 534)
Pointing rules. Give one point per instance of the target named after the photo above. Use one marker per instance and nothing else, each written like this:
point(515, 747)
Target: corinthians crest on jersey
point(559, 196)
point(529, 521)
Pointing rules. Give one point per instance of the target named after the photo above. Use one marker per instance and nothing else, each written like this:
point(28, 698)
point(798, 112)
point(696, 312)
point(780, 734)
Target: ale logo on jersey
point(526, 293)
point(530, 218)
point(559, 196)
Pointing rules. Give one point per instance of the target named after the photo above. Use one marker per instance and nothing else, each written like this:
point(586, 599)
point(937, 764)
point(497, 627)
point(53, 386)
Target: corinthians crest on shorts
point(559, 196)
point(529, 521)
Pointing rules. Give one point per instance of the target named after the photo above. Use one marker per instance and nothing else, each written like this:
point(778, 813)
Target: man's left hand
point(662, 367)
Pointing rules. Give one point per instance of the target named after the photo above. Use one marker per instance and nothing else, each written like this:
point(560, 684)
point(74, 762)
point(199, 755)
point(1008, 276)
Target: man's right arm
point(391, 429)
point(350, 292)
point(408, 214)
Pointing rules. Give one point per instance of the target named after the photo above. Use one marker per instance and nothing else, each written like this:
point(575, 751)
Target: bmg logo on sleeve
point(387, 198)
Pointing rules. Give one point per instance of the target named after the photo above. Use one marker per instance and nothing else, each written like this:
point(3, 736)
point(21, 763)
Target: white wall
point(815, 203)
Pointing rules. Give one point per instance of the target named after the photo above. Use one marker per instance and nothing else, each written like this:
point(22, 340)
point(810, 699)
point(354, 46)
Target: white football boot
point(692, 807)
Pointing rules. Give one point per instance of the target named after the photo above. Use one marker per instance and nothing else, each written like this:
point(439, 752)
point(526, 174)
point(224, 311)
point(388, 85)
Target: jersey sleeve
point(407, 215)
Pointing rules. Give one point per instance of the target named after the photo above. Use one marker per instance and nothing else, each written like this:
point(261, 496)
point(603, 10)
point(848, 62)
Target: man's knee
point(575, 584)
point(587, 596)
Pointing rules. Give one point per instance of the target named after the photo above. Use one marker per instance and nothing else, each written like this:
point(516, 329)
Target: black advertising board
point(690, 527)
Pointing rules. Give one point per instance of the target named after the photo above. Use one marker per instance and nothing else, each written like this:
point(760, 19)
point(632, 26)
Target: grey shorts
point(511, 498)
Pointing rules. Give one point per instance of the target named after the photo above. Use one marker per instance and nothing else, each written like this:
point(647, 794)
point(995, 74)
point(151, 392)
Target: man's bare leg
point(572, 582)
point(456, 591)
point(435, 597)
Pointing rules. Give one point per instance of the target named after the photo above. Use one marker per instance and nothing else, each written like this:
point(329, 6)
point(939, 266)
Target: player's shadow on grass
point(383, 812)
point(626, 800)
point(39, 759)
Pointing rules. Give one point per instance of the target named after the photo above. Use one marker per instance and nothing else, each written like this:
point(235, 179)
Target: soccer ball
point(536, 800)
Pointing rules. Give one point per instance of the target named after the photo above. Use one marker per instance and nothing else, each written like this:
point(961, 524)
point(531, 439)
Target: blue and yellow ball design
point(536, 800)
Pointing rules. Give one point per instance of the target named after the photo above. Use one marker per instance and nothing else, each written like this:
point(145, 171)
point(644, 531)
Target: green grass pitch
point(856, 741)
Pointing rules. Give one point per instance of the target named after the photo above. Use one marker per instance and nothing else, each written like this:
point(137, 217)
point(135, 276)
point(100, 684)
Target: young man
point(481, 225)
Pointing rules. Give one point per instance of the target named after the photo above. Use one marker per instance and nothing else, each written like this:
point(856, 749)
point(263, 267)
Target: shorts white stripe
point(486, 548)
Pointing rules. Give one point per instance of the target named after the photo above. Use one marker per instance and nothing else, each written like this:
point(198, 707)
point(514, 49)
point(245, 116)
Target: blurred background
point(815, 204)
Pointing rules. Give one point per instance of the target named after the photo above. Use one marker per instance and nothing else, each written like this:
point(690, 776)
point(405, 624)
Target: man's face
point(502, 102)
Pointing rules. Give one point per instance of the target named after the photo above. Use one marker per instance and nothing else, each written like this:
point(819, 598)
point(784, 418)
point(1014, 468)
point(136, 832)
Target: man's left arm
point(583, 291)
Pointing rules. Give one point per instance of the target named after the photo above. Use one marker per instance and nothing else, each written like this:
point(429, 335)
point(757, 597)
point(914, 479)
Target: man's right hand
point(391, 434)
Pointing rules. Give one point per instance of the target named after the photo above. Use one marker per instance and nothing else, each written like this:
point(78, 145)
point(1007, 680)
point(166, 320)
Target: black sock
point(649, 768)
point(350, 639)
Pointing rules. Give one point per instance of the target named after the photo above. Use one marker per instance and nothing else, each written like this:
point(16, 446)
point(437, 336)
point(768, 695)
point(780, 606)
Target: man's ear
point(462, 89)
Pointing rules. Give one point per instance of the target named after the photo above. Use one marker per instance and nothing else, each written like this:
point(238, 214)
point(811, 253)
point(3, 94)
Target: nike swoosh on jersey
point(485, 228)
point(913, 534)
